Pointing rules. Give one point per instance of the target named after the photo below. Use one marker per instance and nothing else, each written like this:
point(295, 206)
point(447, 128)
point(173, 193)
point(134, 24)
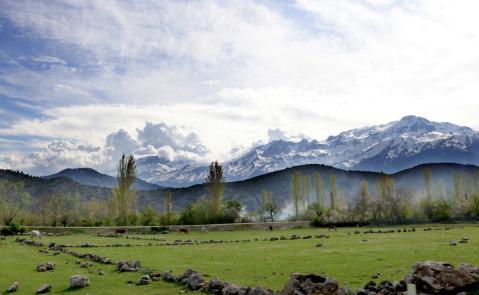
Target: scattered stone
point(86, 264)
point(307, 237)
point(41, 268)
point(319, 245)
point(192, 279)
point(167, 276)
point(452, 243)
point(311, 284)
point(144, 280)
point(44, 289)
point(13, 288)
point(125, 266)
point(79, 281)
point(43, 251)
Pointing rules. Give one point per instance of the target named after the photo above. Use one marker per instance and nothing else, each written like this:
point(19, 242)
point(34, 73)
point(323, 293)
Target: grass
point(348, 257)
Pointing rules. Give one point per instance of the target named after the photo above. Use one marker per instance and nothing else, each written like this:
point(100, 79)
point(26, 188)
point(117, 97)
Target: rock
point(41, 268)
point(86, 264)
point(311, 284)
point(443, 278)
point(167, 276)
point(452, 243)
point(319, 245)
point(44, 289)
point(13, 288)
point(192, 279)
point(144, 280)
point(79, 281)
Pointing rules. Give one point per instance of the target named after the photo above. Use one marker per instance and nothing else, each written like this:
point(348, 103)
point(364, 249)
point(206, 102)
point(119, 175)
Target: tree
point(149, 216)
point(269, 208)
point(168, 207)
point(385, 190)
point(458, 194)
point(231, 211)
point(215, 183)
point(319, 190)
point(428, 182)
point(333, 191)
point(362, 203)
point(13, 199)
point(296, 193)
point(124, 195)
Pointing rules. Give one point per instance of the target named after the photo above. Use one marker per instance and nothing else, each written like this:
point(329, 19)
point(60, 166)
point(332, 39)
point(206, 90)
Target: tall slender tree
point(168, 207)
point(215, 183)
point(123, 192)
point(333, 191)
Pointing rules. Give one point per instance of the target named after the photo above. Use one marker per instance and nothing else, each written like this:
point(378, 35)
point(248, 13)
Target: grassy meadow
point(350, 258)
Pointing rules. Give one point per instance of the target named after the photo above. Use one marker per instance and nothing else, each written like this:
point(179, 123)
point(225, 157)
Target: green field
point(350, 258)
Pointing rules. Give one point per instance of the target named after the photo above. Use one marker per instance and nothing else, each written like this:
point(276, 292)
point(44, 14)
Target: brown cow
point(183, 230)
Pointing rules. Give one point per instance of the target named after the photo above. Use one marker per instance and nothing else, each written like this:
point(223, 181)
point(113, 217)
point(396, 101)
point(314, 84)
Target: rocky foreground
point(425, 278)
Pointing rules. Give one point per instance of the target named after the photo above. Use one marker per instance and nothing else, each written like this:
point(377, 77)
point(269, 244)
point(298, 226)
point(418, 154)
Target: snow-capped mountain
point(390, 148)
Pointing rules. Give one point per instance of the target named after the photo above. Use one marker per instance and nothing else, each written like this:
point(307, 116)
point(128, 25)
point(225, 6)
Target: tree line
point(312, 197)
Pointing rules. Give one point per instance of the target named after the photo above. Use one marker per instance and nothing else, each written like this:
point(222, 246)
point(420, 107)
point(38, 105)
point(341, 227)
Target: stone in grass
point(319, 245)
point(79, 281)
point(13, 288)
point(144, 280)
point(44, 289)
point(452, 243)
point(311, 284)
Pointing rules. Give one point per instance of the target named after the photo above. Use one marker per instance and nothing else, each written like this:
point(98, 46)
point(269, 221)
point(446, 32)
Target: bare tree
point(363, 203)
point(269, 208)
point(123, 193)
point(13, 199)
point(296, 192)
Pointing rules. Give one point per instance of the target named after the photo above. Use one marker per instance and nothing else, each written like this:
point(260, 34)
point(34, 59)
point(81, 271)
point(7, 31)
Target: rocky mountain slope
point(391, 147)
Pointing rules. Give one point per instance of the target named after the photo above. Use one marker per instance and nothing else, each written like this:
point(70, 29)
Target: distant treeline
point(313, 196)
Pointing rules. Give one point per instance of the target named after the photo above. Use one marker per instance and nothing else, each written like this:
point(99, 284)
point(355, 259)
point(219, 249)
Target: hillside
point(249, 191)
point(91, 177)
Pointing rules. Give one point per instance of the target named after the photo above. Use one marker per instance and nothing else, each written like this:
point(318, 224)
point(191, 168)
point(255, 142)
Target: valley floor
point(248, 258)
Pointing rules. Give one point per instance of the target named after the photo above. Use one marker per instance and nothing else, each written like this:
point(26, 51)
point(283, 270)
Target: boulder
point(144, 280)
point(79, 281)
point(167, 276)
point(13, 288)
point(44, 289)
point(192, 279)
point(41, 268)
point(443, 278)
point(311, 284)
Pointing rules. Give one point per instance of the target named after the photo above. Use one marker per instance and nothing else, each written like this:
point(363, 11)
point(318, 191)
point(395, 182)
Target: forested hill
point(443, 177)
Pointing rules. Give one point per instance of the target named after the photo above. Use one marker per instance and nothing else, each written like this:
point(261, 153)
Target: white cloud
point(229, 71)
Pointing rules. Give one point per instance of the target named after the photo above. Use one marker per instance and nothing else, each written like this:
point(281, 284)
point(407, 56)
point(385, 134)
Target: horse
point(183, 231)
point(36, 234)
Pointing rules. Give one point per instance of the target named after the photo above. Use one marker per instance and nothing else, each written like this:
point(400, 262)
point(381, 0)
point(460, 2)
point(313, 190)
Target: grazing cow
point(183, 231)
point(204, 229)
point(120, 231)
point(36, 234)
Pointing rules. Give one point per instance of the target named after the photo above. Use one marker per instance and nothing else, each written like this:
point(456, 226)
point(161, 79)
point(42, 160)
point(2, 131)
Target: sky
point(83, 81)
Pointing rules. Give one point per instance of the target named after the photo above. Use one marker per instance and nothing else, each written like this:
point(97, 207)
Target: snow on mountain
point(389, 147)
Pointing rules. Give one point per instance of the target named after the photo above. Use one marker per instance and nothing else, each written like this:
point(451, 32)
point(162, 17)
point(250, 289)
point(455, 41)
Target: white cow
point(36, 234)
point(204, 229)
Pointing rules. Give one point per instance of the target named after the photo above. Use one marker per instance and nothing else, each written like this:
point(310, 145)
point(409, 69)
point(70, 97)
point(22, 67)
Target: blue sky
point(83, 81)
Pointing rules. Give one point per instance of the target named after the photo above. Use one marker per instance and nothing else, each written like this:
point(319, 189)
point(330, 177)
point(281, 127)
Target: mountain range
point(390, 148)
